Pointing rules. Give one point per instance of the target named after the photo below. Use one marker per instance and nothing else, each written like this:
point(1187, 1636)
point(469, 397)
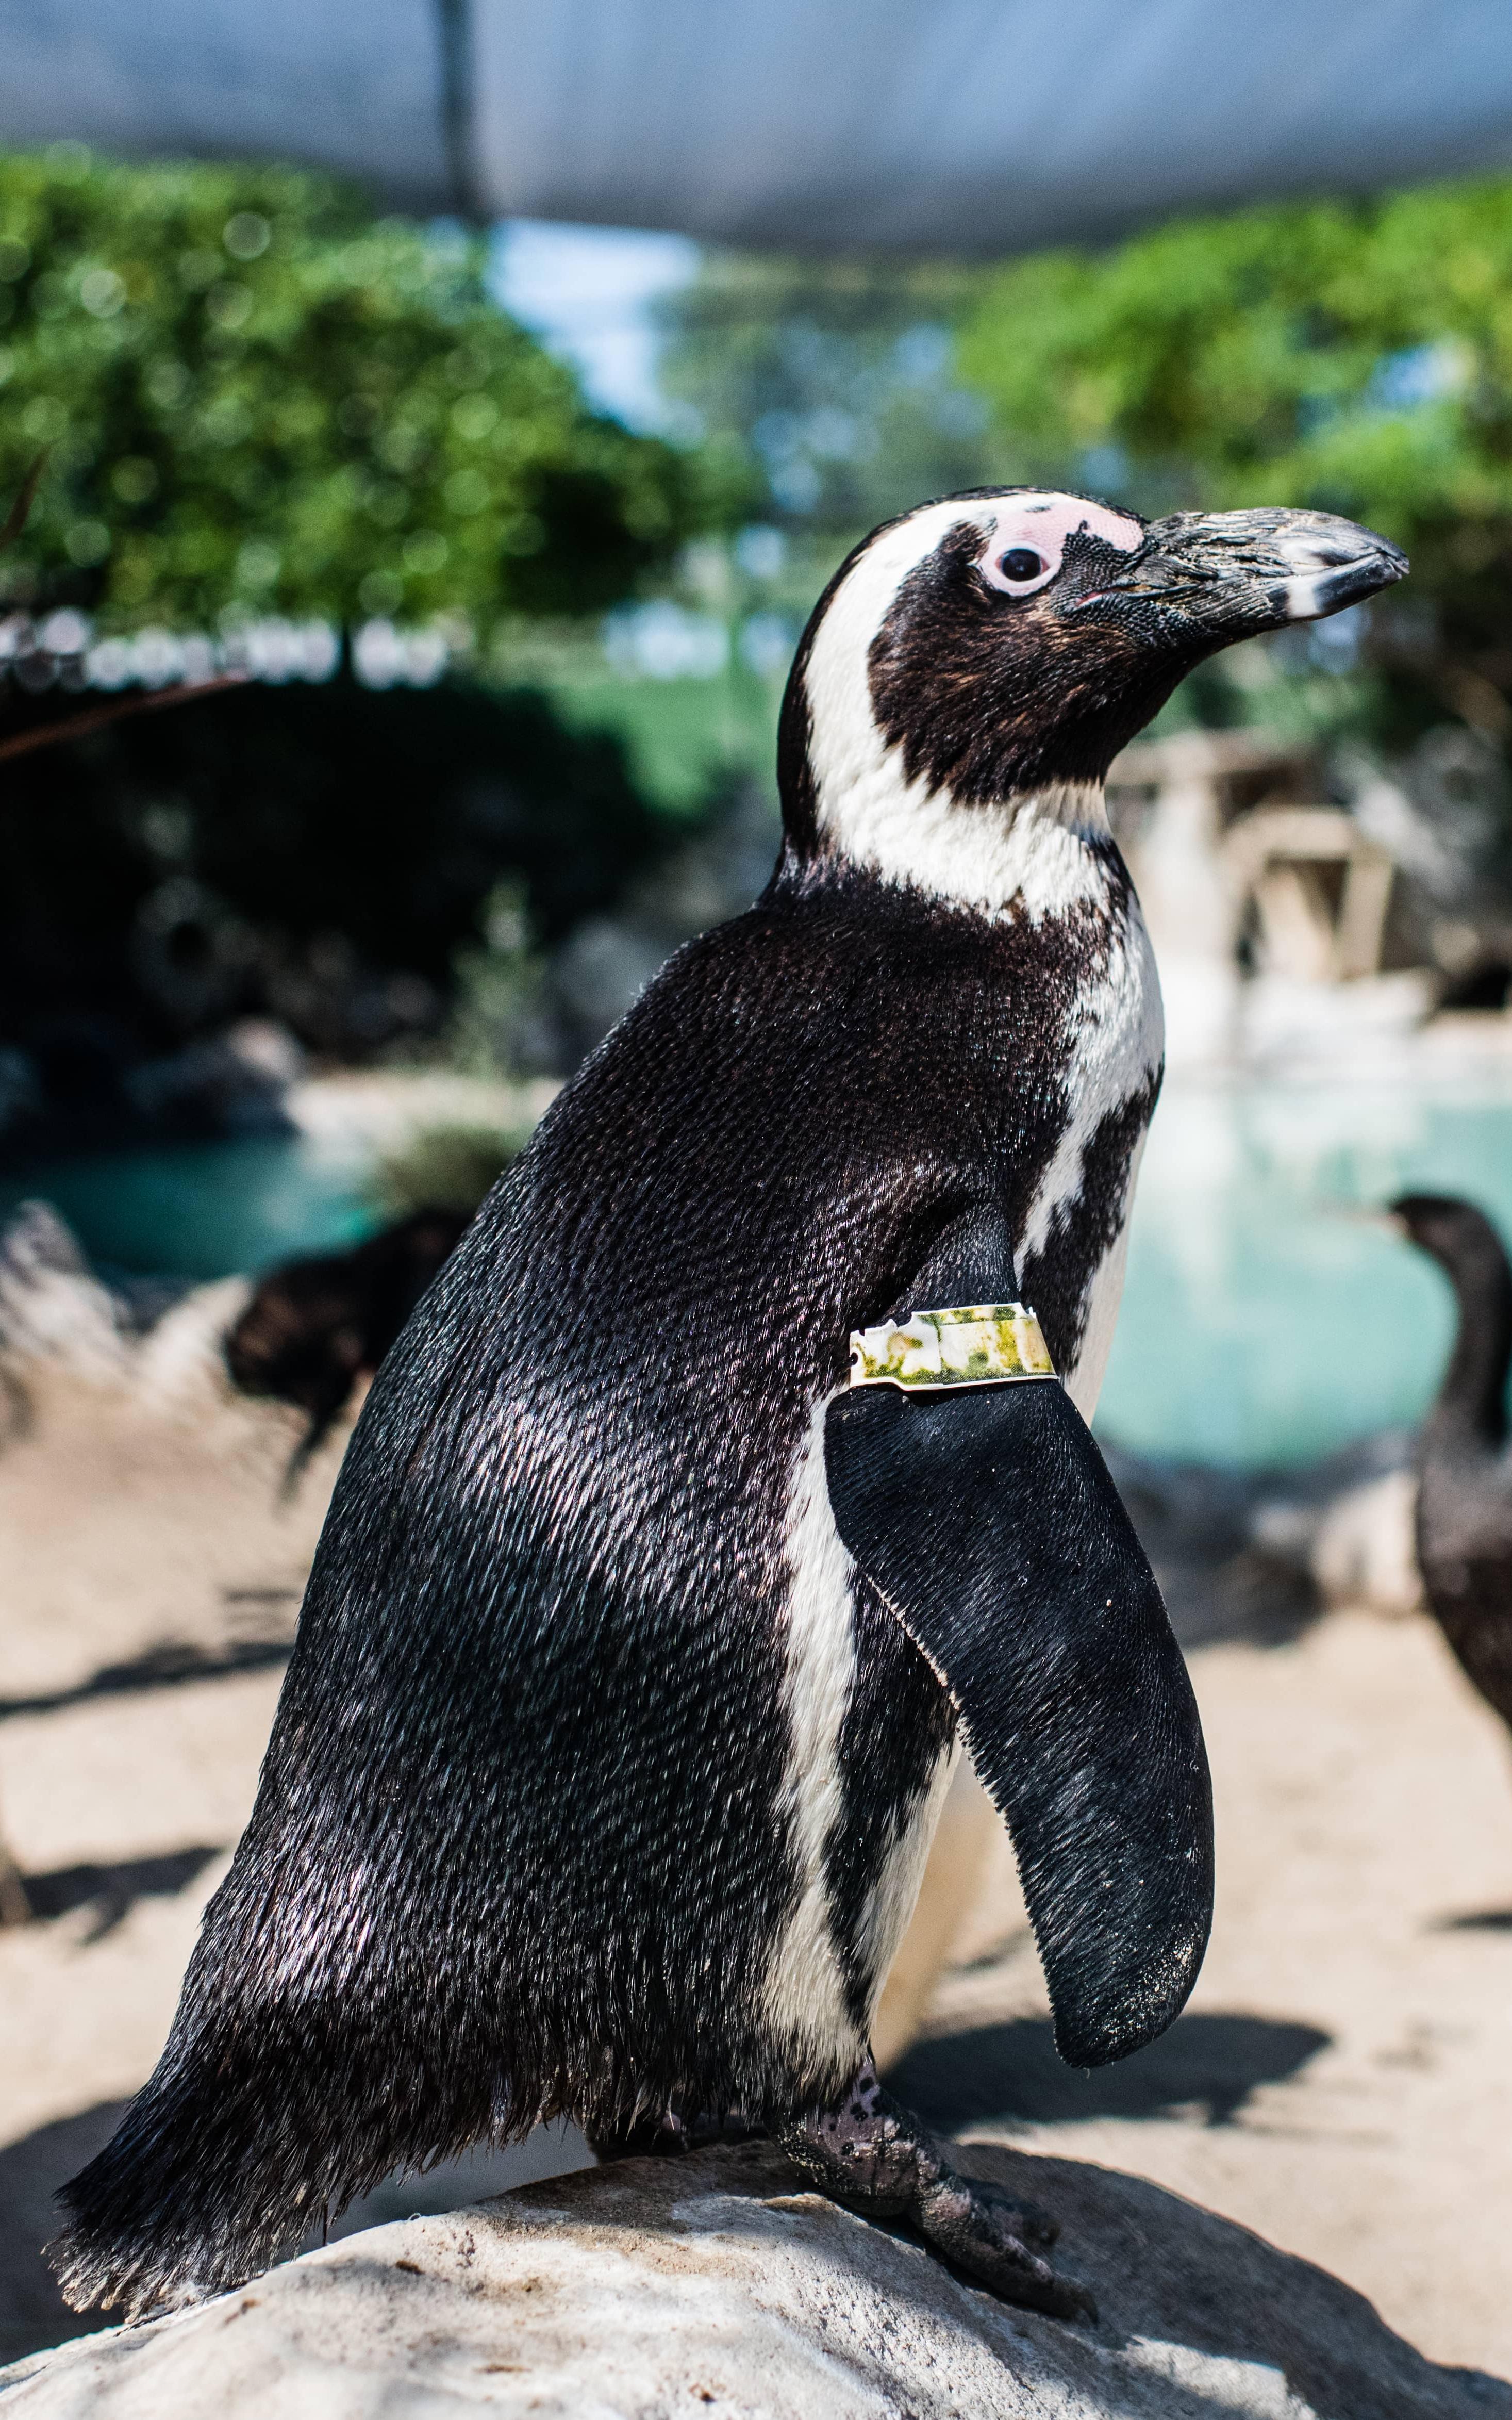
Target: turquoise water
point(205, 1209)
point(1260, 1323)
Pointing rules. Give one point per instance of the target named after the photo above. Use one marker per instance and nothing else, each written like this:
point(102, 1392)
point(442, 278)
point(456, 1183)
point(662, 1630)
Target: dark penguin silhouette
point(314, 1326)
point(639, 1644)
point(1464, 1462)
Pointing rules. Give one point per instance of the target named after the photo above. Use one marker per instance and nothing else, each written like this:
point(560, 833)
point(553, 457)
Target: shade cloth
point(965, 126)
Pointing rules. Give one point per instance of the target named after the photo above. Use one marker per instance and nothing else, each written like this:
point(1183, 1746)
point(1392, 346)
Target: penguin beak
point(1205, 579)
point(1384, 1222)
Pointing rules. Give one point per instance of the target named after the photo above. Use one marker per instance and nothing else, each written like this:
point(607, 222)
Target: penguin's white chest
point(1043, 857)
point(1116, 1044)
point(1107, 1059)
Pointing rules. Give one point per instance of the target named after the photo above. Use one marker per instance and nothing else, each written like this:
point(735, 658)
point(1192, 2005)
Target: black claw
point(897, 2171)
point(1005, 2266)
point(1024, 2219)
point(1067, 2302)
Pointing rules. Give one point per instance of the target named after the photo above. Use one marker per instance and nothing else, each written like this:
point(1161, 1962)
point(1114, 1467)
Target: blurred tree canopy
point(256, 398)
point(1351, 355)
point(827, 386)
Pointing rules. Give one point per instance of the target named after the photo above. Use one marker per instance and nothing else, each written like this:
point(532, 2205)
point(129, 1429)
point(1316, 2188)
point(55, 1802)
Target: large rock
point(717, 2284)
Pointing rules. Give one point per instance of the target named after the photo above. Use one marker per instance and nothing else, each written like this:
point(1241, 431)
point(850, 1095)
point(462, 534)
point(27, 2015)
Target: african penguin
point(1464, 1460)
point(640, 1640)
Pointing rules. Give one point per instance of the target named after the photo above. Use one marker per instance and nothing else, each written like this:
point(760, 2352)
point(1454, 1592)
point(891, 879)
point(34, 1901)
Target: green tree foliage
point(256, 398)
point(827, 385)
point(1353, 355)
point(446, 1168)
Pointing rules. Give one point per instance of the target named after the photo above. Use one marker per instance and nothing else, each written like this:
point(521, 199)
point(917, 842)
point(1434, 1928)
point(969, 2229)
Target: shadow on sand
point(1010, 2072)
point(113, 1891)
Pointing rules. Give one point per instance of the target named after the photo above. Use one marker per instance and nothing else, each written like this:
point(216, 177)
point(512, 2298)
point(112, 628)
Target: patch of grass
point(681, 736)
point(442, 1168)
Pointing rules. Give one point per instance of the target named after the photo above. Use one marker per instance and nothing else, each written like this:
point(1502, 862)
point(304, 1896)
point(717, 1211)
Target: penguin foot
point(872, 2156)
point(650, 2138)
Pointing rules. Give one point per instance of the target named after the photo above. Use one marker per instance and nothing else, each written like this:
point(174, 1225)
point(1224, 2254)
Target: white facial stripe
point(983, 858)
point(1038, 525)
point(846, 748)
point(1031, 850)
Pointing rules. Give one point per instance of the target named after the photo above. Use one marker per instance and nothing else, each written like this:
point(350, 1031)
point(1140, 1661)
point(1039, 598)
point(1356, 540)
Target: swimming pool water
point(1260, 1323)
point(207, 1209)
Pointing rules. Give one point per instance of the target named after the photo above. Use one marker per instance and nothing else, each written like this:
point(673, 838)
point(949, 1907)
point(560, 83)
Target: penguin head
point(1010, 641)
point(1452, 1232)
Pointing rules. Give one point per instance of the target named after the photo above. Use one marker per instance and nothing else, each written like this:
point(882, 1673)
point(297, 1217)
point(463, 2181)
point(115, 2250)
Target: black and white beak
point(1210, 579)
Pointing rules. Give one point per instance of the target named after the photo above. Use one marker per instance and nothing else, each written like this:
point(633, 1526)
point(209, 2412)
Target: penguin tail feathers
point(200, 2187)
point(247, 2137)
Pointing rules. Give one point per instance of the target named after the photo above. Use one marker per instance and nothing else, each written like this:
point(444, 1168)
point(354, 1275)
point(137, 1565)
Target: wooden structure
point(1233, 857)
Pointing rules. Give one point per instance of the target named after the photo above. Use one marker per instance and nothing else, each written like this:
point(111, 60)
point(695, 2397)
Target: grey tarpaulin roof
point(957, 125)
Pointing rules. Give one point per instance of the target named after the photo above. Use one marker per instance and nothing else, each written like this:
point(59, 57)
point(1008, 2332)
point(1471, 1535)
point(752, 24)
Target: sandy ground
point(1342, 2082)
point(1342, 2079)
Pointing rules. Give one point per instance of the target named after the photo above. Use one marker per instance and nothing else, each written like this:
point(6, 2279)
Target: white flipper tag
point(978, 1345)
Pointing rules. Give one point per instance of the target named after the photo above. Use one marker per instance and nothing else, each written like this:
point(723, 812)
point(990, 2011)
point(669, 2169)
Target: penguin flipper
point(989, 1521)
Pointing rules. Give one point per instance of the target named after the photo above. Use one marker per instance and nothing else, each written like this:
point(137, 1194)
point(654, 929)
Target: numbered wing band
point(978, 1345)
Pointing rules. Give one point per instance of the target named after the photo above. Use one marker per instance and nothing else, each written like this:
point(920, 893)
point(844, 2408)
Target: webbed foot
point(873, 2156)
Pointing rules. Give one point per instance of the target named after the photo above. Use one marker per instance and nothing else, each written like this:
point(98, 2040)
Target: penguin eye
point(1022, 563)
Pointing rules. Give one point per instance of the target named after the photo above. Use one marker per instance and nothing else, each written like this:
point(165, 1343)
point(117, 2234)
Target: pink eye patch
point(1025, 544)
